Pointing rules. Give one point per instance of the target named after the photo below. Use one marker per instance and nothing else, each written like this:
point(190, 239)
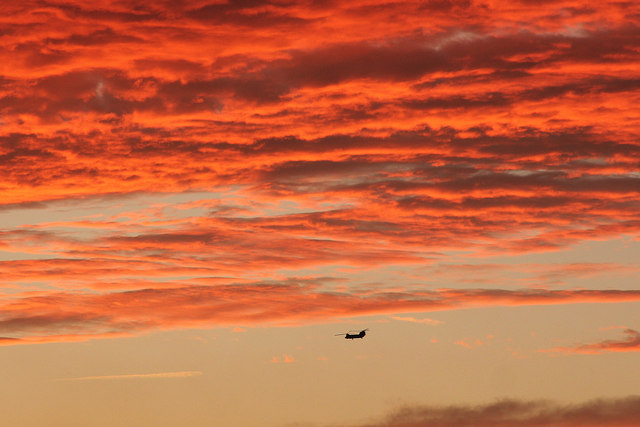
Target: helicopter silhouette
point(349, 336)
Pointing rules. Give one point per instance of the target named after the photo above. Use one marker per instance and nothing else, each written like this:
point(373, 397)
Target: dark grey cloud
point(511, 413)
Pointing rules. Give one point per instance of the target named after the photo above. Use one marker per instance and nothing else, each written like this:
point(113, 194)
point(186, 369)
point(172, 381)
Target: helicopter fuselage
point(354, 336)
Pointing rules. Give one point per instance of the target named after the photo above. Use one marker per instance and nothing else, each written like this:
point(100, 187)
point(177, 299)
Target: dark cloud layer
point(605, 412)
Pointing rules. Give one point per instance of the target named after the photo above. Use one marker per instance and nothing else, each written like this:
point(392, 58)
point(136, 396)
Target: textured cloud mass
point(621, 412)
point(235, 161)
point(76, 315)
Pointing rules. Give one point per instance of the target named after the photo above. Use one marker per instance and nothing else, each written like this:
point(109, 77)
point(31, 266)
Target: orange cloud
point(630, 342)
point(302, 135)
point(284, 359)
point(58, 315)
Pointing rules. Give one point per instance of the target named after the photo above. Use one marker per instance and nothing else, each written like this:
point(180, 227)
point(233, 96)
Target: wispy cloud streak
point(425, 321)
point(629, 343)
point(178, 374)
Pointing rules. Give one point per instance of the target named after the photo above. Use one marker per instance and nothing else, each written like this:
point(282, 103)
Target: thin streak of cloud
point(177, 374)
point(629, 343)
point(425, 321)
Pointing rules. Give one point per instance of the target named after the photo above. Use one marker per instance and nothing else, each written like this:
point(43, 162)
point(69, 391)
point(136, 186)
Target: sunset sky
point(198, 195)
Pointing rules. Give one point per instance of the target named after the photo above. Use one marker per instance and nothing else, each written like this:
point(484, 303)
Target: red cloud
point(630, 342)
point(358, 134)
point(48, 315)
